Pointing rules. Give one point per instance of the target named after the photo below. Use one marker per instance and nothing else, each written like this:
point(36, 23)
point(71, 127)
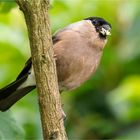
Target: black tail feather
point(7, 102)
point(12, 93)
point(9, 89)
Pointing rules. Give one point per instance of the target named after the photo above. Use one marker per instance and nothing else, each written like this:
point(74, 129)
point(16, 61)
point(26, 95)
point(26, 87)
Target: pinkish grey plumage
point(78, 49)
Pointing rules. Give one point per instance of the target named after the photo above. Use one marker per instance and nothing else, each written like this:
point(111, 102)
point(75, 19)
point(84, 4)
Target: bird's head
point(101, 26)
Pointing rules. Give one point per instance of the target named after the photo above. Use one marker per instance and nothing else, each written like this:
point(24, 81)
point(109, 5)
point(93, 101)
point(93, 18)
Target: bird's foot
point(63, 113)
point(55, 57)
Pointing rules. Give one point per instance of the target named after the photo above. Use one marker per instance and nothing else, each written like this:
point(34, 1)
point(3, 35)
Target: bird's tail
point(11, 93)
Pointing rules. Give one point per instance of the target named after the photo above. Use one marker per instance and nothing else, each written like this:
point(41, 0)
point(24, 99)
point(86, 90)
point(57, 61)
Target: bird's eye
point(95, 22)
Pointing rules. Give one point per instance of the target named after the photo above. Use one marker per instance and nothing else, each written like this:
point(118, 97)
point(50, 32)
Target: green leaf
point(124, 100)
point(6, 5)
point(9, 129)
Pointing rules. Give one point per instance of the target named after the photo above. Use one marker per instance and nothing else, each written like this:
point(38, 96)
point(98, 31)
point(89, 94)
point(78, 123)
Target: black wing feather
point(9, 89)
point(11, 94)
point(28, 64)
point(14, 97)
point(26, 69)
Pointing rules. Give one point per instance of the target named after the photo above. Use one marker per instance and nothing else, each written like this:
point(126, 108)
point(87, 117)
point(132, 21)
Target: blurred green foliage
point(106, 106)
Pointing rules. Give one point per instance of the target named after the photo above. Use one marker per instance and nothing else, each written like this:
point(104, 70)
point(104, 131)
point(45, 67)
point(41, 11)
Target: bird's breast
point(77, 68)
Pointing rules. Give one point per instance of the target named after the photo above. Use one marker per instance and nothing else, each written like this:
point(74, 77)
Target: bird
point(78, 49)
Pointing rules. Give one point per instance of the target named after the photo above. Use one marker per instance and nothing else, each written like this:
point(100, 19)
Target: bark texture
point(36, 16)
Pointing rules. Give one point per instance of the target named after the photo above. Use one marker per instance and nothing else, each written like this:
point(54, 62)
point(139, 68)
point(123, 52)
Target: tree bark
point(36, 16)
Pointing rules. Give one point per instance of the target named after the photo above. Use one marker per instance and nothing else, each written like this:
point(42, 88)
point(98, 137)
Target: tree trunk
point(36, 16)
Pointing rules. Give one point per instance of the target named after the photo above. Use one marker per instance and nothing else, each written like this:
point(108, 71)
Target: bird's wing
point(26, 69)
point(8, 101)
point(28, 64)
point(9, 89)
point(12, 93)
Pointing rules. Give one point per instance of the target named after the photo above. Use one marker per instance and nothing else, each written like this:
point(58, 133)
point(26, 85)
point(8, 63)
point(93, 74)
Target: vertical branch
point(36, 16)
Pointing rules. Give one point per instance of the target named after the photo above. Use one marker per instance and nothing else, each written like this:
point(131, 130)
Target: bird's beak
point(105, 30)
